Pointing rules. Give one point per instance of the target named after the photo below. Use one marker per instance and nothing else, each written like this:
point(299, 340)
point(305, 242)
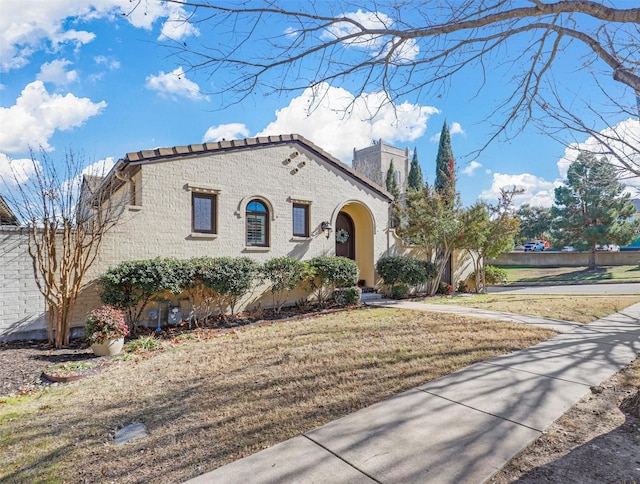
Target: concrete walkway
point(461, 428)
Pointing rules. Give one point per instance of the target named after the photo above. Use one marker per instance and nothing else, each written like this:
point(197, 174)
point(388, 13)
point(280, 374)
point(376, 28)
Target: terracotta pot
point(108, 348)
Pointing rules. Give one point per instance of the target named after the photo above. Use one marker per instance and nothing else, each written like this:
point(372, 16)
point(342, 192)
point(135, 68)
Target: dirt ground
point(594, 442)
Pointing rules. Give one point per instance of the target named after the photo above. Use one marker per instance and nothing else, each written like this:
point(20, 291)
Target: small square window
point(203, 213)
point(300, 220)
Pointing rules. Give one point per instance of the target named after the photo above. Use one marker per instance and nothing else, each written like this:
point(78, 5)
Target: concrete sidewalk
point(461, 428)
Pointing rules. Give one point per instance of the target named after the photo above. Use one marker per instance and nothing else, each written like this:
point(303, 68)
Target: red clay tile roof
point(145, 156)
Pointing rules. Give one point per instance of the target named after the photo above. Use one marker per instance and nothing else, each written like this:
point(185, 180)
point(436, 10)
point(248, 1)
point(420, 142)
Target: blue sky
point(81, 76)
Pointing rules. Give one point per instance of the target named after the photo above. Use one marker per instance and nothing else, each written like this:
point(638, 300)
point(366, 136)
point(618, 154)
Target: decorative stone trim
point(202, 188)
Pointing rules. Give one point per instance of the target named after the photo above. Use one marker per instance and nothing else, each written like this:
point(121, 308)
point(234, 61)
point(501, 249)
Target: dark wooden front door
point(345, 229)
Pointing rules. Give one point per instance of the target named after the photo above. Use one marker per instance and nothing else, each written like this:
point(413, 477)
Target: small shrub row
point(401, 273)
point(215, 285)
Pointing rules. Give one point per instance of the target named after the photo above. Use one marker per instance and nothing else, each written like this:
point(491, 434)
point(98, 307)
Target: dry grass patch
point(210, 402)
point(626, 273)
point(577, 308)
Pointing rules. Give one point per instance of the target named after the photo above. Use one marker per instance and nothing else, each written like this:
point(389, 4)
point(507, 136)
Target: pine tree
point(591, 208)
point(445, 182)
point(392, 183)
point(415, 181)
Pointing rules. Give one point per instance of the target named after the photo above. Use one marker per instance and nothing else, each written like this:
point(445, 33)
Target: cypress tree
point(445, 182)
point(392, 183)
point(415, 180)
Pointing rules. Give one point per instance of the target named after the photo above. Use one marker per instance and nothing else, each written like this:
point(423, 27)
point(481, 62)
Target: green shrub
point(495, 275)
point(285, 274)
point(399, 291)
point(348, 296)
point(131, 285)
point(326, 273)
point(223, 281)
point(405, 271)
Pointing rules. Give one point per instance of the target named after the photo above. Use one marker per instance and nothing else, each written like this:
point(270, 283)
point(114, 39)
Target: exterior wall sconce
point(326, 227)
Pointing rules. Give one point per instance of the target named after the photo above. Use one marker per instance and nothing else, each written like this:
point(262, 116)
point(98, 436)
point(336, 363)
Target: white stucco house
point(259, 197)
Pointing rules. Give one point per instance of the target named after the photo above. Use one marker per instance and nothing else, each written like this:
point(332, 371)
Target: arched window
point(257, 224)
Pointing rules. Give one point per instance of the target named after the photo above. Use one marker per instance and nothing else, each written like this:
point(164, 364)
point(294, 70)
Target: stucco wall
point(22, 308)
point(160, 224)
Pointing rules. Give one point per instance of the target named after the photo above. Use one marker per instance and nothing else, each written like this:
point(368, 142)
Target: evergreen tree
point(445, 182)
point(392, 184)
point(415, 180)
point(590, 208)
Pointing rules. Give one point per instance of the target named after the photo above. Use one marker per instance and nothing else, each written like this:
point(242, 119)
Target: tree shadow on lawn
point(597, 274)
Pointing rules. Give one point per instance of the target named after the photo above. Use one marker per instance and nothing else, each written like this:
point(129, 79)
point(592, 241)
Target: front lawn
point(628, 273)
point(577, 308)
point(208, 402)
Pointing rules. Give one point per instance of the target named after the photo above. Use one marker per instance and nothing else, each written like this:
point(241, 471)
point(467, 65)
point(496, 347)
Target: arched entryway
point(354, 237)
point(345, 236)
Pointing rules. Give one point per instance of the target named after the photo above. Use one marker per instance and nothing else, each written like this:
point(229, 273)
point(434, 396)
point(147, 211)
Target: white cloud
point(226, 131)
point(111, 63)
point(378, 45)
point(177, 25)
point(15, 171)
point(37, 115)
point(334, 119)
point(454, 128)
point(369, 20)
point(55, 72)
point(622, 139)
point(538, 191)
point(470, 169)
point(174, 85)
point(406, 52)
point(27, 26)
point(100, 167)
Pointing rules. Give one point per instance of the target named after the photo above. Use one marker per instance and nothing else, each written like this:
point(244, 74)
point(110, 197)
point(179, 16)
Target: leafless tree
point(65, 226)
point(414, 50)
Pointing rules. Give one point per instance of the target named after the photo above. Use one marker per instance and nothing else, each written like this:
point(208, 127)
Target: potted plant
point(105, 330)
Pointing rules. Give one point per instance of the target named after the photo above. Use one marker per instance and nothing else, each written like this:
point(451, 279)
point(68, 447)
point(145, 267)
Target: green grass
point(627, 273)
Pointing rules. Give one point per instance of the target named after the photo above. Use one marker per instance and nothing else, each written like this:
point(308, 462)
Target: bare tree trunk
point(592, 259)
point(65, 227)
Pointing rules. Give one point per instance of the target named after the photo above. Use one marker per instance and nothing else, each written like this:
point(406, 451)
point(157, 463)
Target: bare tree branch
point(64, 227)
point(413, 49)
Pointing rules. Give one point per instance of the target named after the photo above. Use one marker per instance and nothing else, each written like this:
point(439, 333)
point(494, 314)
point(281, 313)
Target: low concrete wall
point(568, 259)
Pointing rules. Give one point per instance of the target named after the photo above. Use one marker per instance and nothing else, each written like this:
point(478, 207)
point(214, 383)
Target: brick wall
point(22, 308)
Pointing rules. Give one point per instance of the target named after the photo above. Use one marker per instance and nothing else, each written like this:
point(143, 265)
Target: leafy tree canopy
point(535, 222)
point(590, 208)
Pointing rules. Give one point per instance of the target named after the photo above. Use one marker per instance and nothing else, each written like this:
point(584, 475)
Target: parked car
point(534, 246)
point(568, 248)
point(608, 248)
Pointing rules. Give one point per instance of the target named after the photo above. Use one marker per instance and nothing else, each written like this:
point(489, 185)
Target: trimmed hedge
point(327, 273)
point(215, 285)
point(401, 272)
point(285, 274)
